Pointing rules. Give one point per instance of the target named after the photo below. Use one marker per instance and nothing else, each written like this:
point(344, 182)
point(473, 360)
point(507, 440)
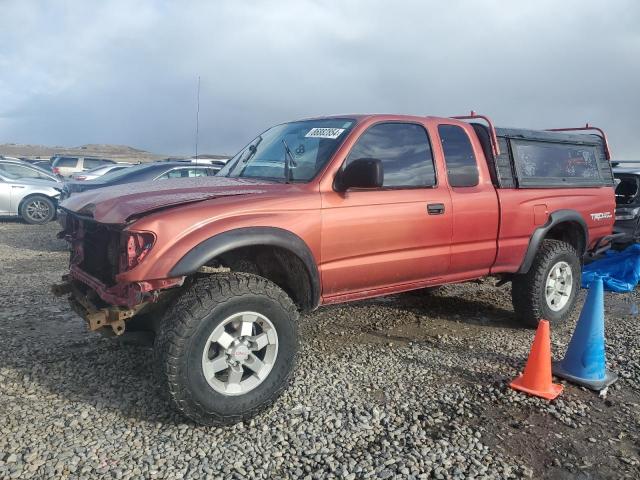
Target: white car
point(66, 166)
point(220, 162)
point(98, 172)
point(28, 192)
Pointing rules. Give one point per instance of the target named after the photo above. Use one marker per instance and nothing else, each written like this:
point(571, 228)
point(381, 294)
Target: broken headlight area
point(103, 251)
point(100, 252)
point(136, 247)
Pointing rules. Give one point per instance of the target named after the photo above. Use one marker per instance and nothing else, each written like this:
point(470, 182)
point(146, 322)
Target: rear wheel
point(227, 347)
point(548, 290)
point(37, 210)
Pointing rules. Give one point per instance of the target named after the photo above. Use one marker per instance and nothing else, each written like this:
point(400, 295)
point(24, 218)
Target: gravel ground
point(409, 386)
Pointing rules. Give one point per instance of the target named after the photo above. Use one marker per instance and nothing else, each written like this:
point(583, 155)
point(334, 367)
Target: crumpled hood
point(118, 203)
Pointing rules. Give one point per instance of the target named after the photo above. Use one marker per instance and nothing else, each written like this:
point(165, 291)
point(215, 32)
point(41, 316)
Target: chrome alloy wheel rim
point(240, 353)
point(559, 286)
point(37, 210)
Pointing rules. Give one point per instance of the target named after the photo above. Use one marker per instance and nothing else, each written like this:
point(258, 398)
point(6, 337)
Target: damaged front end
point(99, 253)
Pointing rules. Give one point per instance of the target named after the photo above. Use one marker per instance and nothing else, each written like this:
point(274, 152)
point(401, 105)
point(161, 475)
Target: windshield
point(311, 143)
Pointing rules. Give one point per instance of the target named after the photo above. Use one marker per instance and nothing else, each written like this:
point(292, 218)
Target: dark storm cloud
point(126, 72)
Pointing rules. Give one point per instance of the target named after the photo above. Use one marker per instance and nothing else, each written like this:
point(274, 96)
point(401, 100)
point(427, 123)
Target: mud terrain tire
point(528, 291)
point(186, 332)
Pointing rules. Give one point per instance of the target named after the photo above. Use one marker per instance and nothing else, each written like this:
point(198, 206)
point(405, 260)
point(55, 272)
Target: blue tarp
point(620, 271)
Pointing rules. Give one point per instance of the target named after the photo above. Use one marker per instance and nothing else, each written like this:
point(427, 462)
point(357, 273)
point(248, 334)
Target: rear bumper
point(602, 245)
point(629, 231)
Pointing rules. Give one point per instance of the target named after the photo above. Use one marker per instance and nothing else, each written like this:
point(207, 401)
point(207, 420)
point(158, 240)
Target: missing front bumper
point(83, 303)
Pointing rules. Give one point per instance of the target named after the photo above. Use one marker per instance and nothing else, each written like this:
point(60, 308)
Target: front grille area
point(101, 247)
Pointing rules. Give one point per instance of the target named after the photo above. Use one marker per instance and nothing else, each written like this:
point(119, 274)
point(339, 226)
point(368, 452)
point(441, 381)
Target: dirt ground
point(448, 353)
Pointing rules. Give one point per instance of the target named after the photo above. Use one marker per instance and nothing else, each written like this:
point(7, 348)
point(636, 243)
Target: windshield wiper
point(289, 162)
point(251, 151)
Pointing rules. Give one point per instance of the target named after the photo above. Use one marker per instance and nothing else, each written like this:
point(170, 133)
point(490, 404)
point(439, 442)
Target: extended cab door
point(475, 210)
point(393, 236)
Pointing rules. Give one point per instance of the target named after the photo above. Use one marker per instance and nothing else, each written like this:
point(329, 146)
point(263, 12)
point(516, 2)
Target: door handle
point(435, 208)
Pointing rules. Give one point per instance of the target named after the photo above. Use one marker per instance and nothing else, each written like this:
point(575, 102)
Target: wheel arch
point(566, 225)
point(274, 253)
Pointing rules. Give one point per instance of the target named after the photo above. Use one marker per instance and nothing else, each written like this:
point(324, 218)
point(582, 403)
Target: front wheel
point(37, 210)
point(226, 349)
point(548, 290)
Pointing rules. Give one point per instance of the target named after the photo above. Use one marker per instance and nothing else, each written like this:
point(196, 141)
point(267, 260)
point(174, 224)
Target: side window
point(543, 163)
point(185, 173)
point(197, 172)
point(91, 163)
point(462, 167)
point(404, 150)
point(175, 173)
point(14, 171)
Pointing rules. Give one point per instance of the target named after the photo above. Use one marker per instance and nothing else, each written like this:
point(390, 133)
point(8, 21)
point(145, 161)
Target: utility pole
point(197, 118)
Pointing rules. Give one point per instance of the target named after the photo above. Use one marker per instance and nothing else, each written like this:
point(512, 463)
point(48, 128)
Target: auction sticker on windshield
point(325, 132)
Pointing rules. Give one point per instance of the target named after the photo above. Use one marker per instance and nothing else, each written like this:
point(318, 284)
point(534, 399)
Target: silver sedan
point(28, 192)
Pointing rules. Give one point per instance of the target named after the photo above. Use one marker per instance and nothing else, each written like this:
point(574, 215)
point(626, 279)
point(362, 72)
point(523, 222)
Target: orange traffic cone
point(536, 379)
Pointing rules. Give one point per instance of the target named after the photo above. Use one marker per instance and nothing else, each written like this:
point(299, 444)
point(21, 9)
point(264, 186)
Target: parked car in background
point(627, 204)
point(28, 192)
point(66, 166)
point(141, 173)
point(221, 162)
point(100, 171)
point(36, 160)
point(44, 165)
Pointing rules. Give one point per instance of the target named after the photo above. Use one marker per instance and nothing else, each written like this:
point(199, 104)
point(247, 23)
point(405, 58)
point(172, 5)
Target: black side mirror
point(361, 173)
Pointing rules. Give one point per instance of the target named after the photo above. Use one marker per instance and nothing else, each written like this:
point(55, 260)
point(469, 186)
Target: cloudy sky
point(125, 71)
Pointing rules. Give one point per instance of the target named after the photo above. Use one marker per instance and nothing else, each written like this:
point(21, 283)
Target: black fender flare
point(247, 237)
point(555, 218)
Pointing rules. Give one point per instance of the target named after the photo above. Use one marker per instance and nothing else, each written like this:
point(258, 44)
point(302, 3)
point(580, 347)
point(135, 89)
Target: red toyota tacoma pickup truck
point(331, 210)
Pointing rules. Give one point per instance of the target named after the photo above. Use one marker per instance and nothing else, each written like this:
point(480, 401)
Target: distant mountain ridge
point(121, 153)
point(116, 152)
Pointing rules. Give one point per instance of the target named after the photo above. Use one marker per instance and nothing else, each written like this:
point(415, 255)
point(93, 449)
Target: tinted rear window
point(552, 164)
point(65, 162)
point(93, 163)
